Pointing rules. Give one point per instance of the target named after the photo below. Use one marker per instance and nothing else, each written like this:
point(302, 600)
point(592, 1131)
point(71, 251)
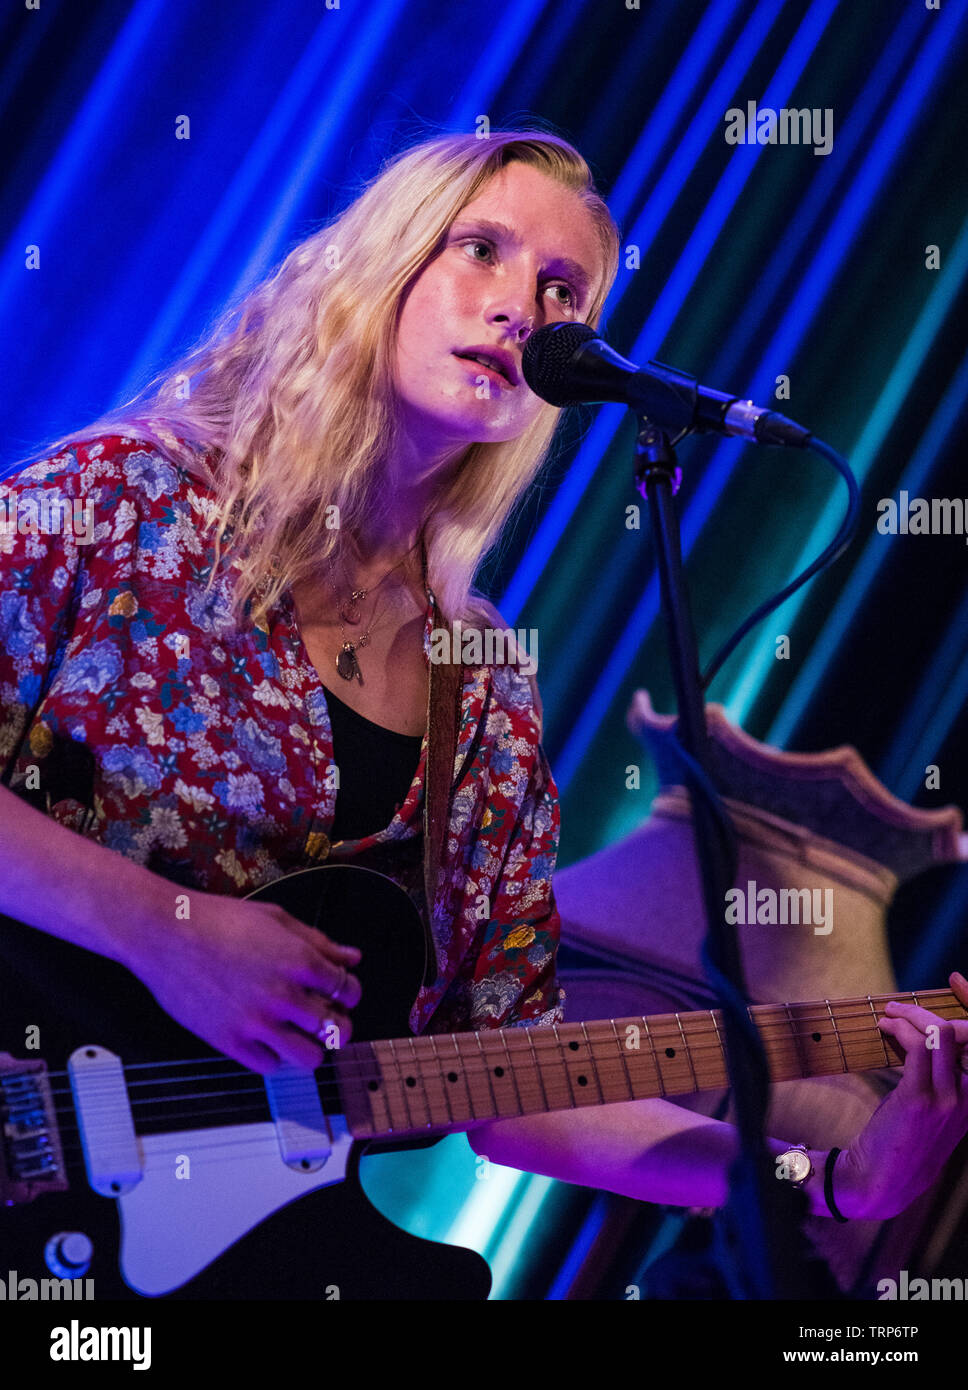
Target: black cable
point(836, 548)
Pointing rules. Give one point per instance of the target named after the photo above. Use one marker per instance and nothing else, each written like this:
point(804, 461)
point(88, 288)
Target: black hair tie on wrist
point(828, 1185)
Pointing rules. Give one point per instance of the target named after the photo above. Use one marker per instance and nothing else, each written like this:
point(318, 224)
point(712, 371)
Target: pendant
point(349, 609)
point(347, 664)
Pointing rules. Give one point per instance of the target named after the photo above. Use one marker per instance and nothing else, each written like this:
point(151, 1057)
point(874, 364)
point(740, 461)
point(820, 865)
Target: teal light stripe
point(476, 1224)
point(878, 548)
point(910, 361)
point(519, 1232)
point(855, 208)
point(793, 326)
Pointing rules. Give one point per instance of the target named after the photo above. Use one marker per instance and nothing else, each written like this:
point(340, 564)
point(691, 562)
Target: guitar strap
point(443, 722)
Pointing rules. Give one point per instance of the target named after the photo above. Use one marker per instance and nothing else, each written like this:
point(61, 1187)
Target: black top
point(376, 769)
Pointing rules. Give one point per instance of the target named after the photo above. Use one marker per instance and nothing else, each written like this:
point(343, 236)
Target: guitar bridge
point(31, 1159)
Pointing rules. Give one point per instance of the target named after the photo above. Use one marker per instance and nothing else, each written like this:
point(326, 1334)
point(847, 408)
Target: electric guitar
point(199, 1179)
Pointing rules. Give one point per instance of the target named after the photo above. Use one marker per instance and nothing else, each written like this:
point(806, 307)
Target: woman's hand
point(911, 1134)
point(250, 980)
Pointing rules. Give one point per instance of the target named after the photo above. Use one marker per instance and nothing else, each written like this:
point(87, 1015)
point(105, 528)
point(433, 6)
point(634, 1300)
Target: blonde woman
point(279, 522)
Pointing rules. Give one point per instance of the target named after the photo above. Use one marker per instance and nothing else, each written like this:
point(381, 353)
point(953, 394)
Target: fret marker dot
point(411, 1081)
point(498, 1071)
point(451, 1076)
point(373, 1085)
point(573, 1046)
point(816, 1036)
point(583, 1081)
point(670, 1052)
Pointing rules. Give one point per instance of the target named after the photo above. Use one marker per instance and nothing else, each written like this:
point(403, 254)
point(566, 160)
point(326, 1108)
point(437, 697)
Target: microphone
point(569, 363)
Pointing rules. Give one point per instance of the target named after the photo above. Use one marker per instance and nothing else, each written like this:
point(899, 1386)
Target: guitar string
point(537, 1042)
point(391, 1072)
point(257, 1107)
point(226, 1148)
point(395, 1076)
point(357, 1069)
point(659, 1072)
point(73, 1149)
point(331, 1090)
point(565, 1099)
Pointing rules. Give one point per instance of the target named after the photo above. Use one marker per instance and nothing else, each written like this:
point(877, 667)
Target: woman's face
point(524, 253)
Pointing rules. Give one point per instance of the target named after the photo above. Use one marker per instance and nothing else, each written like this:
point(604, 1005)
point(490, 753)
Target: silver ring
point(335, 993)
point(964, 1059)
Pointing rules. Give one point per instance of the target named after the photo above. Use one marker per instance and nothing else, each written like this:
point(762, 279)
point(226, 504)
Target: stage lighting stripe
point(679, 170)
point(505, 34)
point(910, 361)
point(697, 249)
point(227, 215)
point(855, 208)
point(792, 328)
point(71, 164)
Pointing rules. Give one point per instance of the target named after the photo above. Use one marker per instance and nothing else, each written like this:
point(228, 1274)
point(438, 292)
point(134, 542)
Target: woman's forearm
point(65, 884)
point(648, 1149)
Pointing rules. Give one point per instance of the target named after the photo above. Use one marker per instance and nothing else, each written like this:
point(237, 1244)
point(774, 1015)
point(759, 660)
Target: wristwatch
point(794, 1165)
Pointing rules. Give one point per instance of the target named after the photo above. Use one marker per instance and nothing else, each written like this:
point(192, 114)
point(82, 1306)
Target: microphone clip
point(655, 457)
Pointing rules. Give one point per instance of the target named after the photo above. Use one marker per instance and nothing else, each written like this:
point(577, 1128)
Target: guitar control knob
point(68, 1255)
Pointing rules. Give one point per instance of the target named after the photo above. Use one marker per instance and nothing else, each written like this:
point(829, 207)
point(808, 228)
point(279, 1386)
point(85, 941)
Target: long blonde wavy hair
point(293, 386)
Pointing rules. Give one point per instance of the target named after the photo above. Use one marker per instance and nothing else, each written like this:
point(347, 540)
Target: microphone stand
point(768, 1258)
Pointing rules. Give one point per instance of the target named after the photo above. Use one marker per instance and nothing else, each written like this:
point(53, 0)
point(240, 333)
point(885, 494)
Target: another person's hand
point(912, 1133)
point(251, 981)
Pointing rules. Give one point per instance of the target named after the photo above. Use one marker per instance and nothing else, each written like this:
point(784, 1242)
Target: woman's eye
point(568, 303)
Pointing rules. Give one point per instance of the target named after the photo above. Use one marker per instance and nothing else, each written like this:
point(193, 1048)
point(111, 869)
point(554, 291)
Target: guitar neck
point(437, 1083)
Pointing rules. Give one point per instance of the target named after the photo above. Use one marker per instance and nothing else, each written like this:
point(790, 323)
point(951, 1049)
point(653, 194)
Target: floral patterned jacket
point(203, 750)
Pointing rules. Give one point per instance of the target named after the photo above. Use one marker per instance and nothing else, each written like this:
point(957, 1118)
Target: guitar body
point(216, 1213)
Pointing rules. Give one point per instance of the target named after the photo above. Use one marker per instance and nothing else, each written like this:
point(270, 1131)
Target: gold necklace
point(349, 611)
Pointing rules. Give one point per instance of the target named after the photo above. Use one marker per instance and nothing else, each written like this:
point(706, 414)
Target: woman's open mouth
point(495, 366)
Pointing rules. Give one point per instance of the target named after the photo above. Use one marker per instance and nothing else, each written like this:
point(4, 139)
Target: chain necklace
point(348, 611)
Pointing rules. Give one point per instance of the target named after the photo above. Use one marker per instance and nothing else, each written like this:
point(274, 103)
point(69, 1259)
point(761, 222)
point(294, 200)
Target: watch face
point(794, 1165)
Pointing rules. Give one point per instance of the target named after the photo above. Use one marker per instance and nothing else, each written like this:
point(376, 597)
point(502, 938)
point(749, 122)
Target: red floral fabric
point(203, 750)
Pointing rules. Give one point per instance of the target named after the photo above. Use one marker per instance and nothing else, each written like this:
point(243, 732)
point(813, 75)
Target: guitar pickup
point(31, 1158)
point(111, 1153)
point(305, 1142)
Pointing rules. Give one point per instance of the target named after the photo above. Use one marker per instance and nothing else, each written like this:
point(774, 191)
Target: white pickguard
point(174, 1227)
